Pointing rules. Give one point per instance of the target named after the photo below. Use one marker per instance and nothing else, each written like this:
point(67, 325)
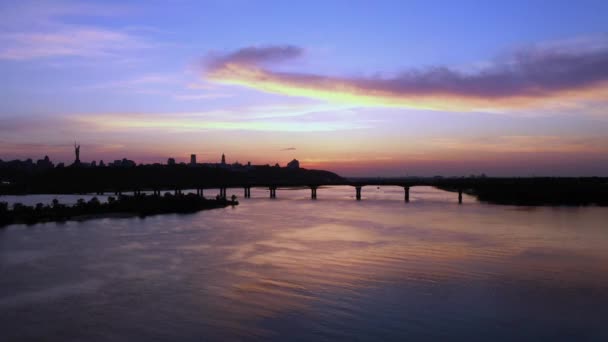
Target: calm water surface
point(296, 269)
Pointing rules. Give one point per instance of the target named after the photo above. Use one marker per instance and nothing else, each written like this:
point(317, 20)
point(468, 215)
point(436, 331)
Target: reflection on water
point(297, 269)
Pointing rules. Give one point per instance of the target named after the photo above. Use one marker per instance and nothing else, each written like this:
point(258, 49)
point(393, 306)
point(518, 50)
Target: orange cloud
point(532, 78)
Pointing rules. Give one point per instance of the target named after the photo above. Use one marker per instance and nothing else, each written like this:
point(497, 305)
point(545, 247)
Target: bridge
point(457, 185)
point(513, 191)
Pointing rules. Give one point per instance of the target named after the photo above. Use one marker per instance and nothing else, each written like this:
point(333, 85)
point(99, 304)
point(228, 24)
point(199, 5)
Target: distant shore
point(538, 191)
point(122, 206)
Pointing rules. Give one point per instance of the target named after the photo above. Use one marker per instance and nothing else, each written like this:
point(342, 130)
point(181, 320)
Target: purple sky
point(363, 88)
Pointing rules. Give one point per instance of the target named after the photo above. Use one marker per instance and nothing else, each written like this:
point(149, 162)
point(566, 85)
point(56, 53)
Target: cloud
point(531, 77)
point(280, 118)
point(179, 123)
point(72, 42)
point(522, 144)
point(137, 83)
point(256, 56)
point(195, 97)
point(49, 33)
point(288, 149)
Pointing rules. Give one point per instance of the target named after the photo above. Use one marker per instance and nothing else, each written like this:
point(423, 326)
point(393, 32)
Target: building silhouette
point(223, 159)
point(44, 163)
point(294, 164)
point(193, 159)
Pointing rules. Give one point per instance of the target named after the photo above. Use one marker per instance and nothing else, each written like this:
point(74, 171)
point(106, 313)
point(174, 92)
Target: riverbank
point(538, 191)
point(122, 206)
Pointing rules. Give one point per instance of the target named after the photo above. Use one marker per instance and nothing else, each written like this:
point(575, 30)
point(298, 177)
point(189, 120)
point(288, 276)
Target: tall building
point(170, 161)
point(223, 159)
point(193, 159)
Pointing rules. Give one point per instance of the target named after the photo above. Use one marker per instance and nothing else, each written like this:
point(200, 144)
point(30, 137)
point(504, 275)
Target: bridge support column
point(273, 192)
point(223, 192)
point(313, 192)
point(459, 196)
point(247, 191)
point(358, 189)
point(407, 193)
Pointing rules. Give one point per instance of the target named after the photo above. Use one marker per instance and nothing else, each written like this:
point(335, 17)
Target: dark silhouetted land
point(26, 177)
point(537, 191)
point(20, 177)
point(141, 205)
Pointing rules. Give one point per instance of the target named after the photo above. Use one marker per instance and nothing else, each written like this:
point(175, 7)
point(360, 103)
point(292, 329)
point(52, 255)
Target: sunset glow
point(465, 91)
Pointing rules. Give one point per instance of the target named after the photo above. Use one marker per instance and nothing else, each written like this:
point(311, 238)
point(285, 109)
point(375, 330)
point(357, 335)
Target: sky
point(361, 88)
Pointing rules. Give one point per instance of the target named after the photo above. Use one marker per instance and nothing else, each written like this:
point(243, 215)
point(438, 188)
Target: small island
point(122, 206)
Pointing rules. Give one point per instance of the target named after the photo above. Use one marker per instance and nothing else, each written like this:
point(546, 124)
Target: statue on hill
point(77, 153)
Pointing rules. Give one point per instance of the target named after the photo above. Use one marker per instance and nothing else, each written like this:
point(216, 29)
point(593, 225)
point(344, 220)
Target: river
point(292, 268)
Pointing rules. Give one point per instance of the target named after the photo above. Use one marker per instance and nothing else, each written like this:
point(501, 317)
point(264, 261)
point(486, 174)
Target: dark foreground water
point(296, 269)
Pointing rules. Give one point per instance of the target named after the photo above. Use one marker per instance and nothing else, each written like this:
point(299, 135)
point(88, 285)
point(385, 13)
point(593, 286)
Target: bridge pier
point(199, 192)
point(313, 192)
point(223, 192)
point(358, 189)
point(247, 190)
point(459, 196)
point(273, 191)
point(407, 193)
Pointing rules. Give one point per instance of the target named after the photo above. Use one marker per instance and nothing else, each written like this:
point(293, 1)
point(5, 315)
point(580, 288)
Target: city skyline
point(359, 88)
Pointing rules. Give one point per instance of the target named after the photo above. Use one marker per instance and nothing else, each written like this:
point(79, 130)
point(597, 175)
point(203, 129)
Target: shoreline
point(123, 207)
